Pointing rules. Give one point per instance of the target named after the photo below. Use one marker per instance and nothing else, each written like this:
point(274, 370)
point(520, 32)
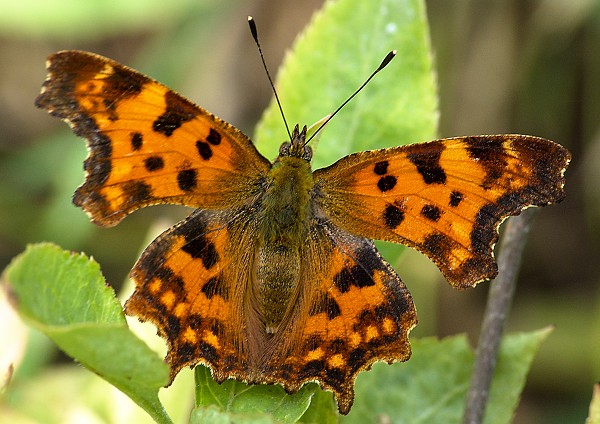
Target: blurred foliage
point(62, 19)
point(503, 66)
point(65, 296)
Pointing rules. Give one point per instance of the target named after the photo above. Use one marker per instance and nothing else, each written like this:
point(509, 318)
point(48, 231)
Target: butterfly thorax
point(285, 217)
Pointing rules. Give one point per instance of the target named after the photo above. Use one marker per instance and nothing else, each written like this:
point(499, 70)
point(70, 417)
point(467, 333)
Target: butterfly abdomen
point(284, 218)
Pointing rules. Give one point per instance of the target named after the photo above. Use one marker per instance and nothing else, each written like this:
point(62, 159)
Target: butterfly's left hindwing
point(147, 144)
point(445, 198)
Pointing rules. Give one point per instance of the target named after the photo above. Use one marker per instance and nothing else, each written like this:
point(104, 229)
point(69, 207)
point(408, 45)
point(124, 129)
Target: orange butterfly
point(274, 278)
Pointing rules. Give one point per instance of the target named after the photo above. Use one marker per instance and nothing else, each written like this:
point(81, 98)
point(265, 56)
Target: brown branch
point(498, 305)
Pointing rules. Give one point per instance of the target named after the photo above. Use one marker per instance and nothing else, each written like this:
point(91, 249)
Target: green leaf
point(323, 409)
point(432, 385)
point(57, 288)
point(344, 43)
point(65, 296)
point(238, 400)
point(514, 361)
point(91, 18)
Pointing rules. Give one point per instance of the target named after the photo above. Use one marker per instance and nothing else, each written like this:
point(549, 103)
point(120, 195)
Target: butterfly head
point(297, 146)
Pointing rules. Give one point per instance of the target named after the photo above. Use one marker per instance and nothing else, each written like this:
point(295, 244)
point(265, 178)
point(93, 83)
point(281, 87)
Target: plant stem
point(498, 305)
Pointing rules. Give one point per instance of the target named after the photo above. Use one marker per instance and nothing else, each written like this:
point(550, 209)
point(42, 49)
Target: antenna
point(252, 25)
point(387, 59)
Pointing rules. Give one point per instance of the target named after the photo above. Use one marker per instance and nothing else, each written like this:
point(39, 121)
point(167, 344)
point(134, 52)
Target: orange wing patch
point(357, 312)
point(445, 198)
point(148, 145)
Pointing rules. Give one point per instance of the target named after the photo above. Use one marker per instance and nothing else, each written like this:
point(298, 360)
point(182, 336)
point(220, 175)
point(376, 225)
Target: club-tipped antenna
point(382, 65)
point(252, 25)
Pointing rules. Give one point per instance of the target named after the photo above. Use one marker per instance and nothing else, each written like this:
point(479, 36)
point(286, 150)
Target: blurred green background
point(504, 66)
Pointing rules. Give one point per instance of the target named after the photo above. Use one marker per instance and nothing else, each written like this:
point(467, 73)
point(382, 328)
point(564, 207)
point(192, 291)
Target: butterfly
point(274, 278)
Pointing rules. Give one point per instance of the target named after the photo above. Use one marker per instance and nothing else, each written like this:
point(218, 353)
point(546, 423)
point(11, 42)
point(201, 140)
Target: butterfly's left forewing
point(445, 198)
point(147, 144)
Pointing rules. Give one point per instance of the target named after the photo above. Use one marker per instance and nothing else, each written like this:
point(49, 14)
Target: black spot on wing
point(199, 247)
point(439, 246)
point(381, 167)
point(169, 281)
point(393, 215)
point(216, 326)
point(214, 137)
point(335, 376)
point(210, 287)
point(195, 321)
point(193, 230)
point(387, 183)
point(313, 342)
point(173, 327)
point(187, 179)
point(185, 352)
point(136, 193)
point(178, 111)
point(489, 153)
point(204, 149)
point(455, 198)
point(338, 346)
point(136, 140)
point(110, 106)
point(123, 83)
point(355, 275)
point(208, 351)
point(431, 212)
point(426, 157)
point(154, 163)
point(327, 305)
point(215, 287)
point(358, 357)
point(361, 273)
point(312, 368)
point(485, 149)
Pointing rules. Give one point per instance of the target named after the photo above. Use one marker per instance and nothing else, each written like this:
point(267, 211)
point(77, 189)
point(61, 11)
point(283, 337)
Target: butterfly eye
point(308, 153)
point(284, 149)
